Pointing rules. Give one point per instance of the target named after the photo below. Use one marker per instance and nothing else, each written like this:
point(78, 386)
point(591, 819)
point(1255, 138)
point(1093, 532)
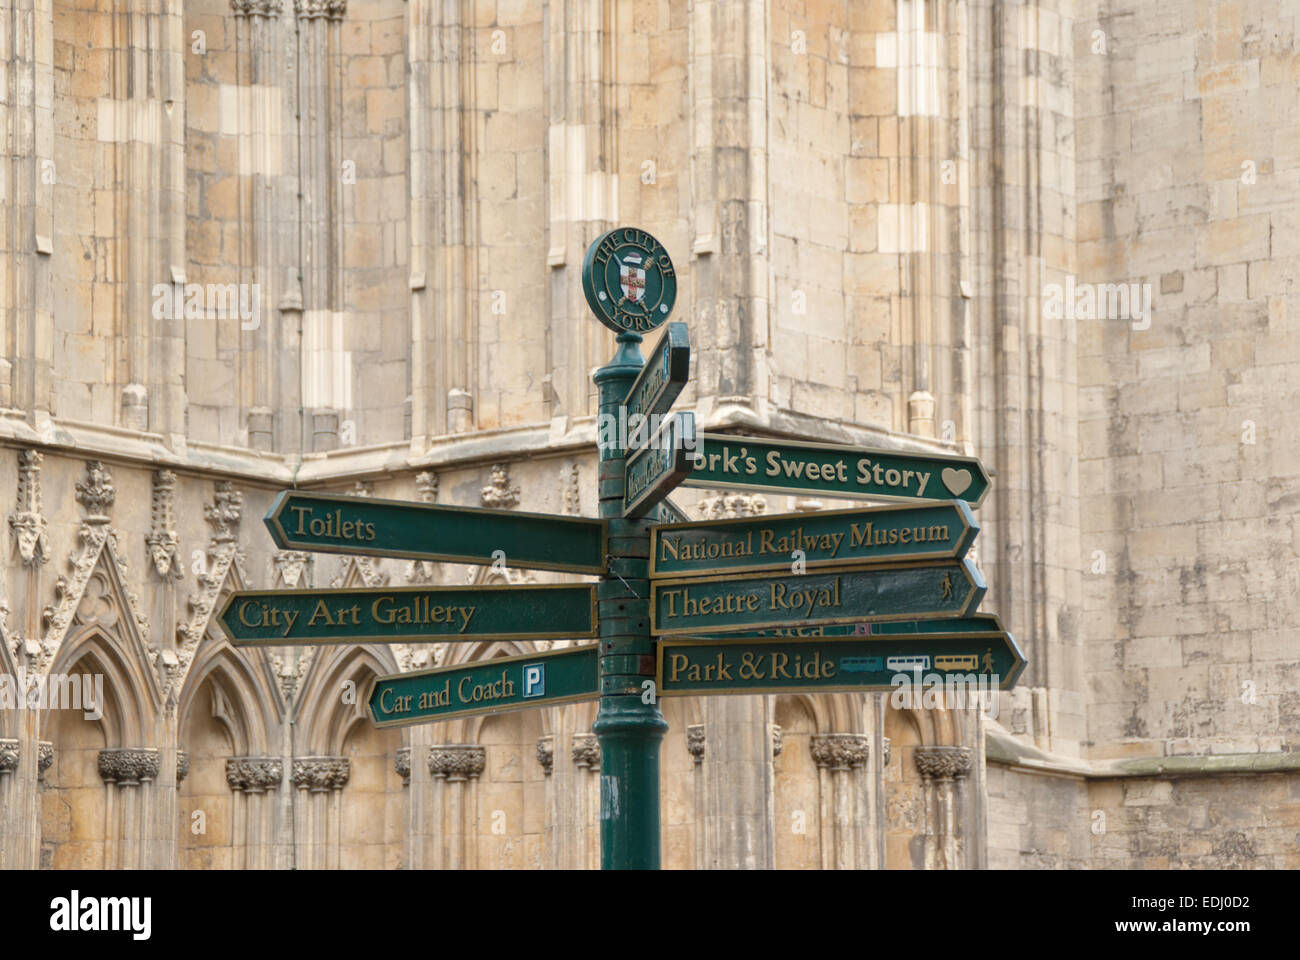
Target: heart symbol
point(956, 480)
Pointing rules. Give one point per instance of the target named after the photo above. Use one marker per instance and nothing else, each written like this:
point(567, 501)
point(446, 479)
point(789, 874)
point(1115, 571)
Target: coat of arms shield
point(631, 277)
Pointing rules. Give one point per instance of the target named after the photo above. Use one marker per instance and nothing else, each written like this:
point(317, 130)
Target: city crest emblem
point(631, 277)
point(628, 280)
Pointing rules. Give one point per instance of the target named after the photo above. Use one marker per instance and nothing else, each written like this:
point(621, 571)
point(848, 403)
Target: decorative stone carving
point(546, 752)
point(572, 490)
point(290, 670)
point(778, 740)
point(314, 9)
point(363, 489)
point(223, 516)
point(840, 751)
point(182, 766)
point(359, 571)
point(96, 493)
point(270, 9)
point(499, 493)
point(426, 484)
point(254, 774)
point(321, 774)
point(9, 756)
point(695, 742)
point(163, 540)
point(44, 757)
point(28, 520)
point(806, 505)
point(289, 566)
point(457, 761)
point(128, 766)
point(402, 764)
point(586, 751)
point(225, 513)
point(727, 506)
point(97, 542)
point(943, 762)
point(889, 754)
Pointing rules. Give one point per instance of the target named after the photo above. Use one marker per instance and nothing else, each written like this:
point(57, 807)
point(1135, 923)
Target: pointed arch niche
point(229, 801)
point(100, 791)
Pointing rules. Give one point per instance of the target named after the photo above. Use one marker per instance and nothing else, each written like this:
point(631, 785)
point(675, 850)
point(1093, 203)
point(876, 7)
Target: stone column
point(729, 170)
point(458, 766)
point(402, 764)
point(586, 757)
point(128, 774)
point(841, 758)
point(740, 830)
point(546, 757)
point(21, 845)
point(261, 155)
point(695, 746)
point(253, 827)
point(319, 839)
point(942, 769)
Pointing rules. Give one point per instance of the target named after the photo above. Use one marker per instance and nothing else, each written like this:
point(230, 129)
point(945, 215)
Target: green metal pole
point(629, 729)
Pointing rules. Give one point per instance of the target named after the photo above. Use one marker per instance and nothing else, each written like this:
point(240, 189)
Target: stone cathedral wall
point(870, 204)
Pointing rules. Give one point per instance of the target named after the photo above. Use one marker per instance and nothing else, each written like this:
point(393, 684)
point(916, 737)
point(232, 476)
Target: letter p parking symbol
point(534, 680)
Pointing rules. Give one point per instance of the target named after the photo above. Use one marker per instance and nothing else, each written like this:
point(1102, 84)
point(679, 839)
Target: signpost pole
point(629, 729)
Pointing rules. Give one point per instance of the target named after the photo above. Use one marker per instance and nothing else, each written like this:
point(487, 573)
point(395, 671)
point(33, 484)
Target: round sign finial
point(629, 281)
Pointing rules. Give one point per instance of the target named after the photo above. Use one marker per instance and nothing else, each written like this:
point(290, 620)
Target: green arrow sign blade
point(656, 469)
point(406, 614)
point(975, 661)
point(818, 469)
point(328, 523)
point(499, 685)
point(663, 376)
point(725, 604)
point(979, 623)
point(665, 511)
point(873, 535)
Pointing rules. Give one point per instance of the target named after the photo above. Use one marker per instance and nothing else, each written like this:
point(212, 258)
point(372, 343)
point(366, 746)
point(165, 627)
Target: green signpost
point(823, 470)
point(693, 606)
point(499, 685)
point(849, 600)
point(330, 523)
point(986, 660)
point(407, 614)
point(874, 535)
point(979, 623)
point(656, 469)
point(663, 376)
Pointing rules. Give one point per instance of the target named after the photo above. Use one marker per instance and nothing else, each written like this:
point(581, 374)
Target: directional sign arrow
point(979, 623)
point(330, 523)
point(405, 614)
point(693, 606)
point(975, 660)
point(663, 376)
point(839, 537)
point(656, 469)
point(498, 685)
point(825, 470)
point(666, 511)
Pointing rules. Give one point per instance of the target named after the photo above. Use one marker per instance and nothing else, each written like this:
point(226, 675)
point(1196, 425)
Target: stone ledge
point(119, 445)
point(1003, 748)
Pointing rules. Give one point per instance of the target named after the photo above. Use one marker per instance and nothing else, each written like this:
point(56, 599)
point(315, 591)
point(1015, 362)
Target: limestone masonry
point(252, 244)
